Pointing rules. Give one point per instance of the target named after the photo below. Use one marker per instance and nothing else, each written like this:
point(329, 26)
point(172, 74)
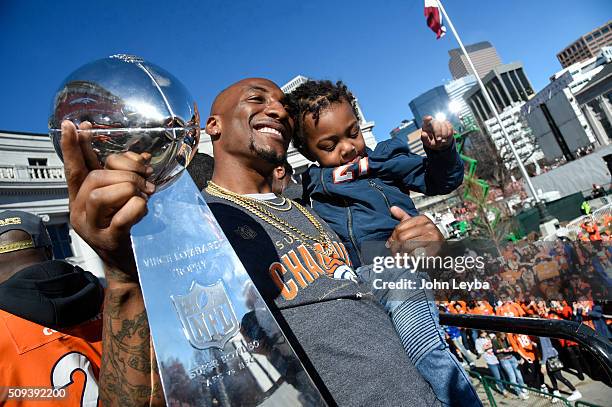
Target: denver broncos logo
point(337, 269)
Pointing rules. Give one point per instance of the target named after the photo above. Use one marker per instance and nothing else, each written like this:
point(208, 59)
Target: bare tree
point(490, 165)
point(497, 163)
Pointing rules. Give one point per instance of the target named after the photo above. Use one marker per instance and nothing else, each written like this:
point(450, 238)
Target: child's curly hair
point(312, 97)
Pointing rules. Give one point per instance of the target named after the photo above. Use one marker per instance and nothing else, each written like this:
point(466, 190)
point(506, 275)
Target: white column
point(84, 255)
point(605, 106)
point(598, 130)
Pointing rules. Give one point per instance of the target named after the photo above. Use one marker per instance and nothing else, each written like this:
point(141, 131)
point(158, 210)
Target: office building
point(406, 127)
point(583, 71)
point(409, 131)
point(519, 133)
point(456, 89)
point(415, 144)
point(557, 123)
point(560, 124)
point(595, 100)
point(432, 102)
point(507, 85)
point(483, 56)
point(509, 89)
point(447, 100)
point(587, 46)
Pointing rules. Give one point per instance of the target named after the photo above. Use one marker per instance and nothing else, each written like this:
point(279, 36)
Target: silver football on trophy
point(132, 105)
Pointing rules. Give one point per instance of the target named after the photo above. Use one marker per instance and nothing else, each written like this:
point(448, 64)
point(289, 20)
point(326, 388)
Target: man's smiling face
point(254, 121)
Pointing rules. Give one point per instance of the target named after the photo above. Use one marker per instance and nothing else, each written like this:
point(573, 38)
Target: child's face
point(337, 138)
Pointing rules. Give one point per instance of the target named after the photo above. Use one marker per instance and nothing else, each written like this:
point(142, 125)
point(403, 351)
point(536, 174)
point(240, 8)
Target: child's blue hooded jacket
point(354, 199)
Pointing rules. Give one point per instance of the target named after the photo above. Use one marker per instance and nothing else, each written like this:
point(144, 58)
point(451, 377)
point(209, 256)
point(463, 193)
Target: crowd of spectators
point(523, 360)
point(574, 271)
point(565, 279)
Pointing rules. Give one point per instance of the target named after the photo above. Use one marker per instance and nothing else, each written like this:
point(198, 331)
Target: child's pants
point(415, 317)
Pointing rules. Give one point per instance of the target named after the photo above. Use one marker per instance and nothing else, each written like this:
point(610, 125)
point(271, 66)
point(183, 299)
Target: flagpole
point(494, 110)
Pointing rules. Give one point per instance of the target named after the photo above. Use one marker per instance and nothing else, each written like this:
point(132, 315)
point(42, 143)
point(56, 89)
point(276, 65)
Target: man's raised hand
point(105, 203)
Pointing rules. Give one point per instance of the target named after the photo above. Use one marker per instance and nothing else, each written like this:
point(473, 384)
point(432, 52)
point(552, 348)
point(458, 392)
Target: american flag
point(434, 18)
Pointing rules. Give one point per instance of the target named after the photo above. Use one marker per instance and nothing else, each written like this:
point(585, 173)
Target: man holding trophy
point(343, 339)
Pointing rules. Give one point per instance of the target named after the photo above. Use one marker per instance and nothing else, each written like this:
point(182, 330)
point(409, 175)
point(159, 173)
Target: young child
point(351, 181)
point(354, 189)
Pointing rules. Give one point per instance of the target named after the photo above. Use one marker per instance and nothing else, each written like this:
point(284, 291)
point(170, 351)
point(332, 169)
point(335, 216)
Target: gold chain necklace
point(278, 206)
point(254, 206)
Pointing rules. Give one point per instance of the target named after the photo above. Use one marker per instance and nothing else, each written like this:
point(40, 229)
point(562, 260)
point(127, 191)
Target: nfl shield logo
point(207, 315)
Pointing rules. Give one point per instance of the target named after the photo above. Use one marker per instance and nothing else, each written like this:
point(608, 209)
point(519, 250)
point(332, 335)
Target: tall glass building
point(455, 90)
point(432, 102)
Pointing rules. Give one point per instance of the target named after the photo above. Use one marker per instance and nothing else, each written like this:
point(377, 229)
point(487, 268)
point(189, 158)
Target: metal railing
point(538, 397)
point(40, 173)
point(574, 227)
point(596, 216)
point(31, 173)
point(600, 348)
point(8, 172)
point(584, 403)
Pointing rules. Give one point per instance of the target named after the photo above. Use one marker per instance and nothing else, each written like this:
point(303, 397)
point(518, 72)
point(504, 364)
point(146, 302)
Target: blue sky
point(383, 50)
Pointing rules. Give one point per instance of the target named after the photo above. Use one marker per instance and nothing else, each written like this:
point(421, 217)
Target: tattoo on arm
point(129, 373)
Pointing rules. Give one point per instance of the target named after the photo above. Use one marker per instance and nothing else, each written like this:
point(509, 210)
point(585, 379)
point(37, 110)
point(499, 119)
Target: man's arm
point(104, 204)
point(129, 374)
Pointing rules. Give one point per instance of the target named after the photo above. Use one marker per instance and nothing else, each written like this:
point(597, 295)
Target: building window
point(37, 162)
point(597, 34)
point(61, 241)
point(589, 38)
point(501, 90)
point(493, 94)
point(524, 81)
point(484, 104)
point(510, 87)
point(517, 84)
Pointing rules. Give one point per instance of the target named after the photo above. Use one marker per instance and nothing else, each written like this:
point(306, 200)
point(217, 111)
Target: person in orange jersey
point(521, 344)
point(482, 308)
point(50, 325)
point(509, 309)
point(529, 307)
point(592, 230)
point(458, 307)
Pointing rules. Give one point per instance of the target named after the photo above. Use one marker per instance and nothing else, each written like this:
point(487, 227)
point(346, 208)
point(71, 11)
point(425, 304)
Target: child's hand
point(436, 134)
